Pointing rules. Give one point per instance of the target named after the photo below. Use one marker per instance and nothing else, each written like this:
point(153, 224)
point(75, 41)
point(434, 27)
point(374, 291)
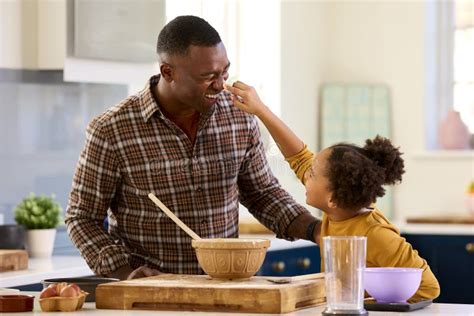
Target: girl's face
point(317, 183)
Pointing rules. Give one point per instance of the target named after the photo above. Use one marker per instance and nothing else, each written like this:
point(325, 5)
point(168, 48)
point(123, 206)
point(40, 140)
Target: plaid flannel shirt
point(132, 149)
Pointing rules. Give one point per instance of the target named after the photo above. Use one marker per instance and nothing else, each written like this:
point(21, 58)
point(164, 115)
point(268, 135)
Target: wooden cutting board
point(201, 293)
point(11, 260)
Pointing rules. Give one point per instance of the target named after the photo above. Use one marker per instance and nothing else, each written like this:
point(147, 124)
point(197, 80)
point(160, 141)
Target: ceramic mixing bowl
point(231, 258)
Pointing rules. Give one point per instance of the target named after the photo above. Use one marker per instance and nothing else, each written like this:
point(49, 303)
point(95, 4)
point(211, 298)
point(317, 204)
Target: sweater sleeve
point(301, 162)
point(389, 249)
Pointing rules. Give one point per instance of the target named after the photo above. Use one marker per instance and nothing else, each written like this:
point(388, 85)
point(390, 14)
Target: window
point(463, 56)
point(449, 64)
point(252, 51)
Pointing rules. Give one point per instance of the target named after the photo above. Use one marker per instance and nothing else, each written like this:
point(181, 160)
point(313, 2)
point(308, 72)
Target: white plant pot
point(40, 242)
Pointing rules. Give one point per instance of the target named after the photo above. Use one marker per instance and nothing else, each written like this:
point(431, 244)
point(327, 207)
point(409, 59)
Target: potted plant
point(39, 215)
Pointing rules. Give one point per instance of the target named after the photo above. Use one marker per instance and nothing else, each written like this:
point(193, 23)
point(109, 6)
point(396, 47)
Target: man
point(182, 139)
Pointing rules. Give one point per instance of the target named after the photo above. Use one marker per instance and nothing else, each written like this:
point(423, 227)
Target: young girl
point(344, 181)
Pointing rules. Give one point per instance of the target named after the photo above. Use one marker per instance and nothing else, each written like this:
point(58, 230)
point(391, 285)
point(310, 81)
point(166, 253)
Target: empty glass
point(344, 261)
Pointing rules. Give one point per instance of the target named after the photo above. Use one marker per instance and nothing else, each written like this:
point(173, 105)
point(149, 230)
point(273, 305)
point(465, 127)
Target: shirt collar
point(148, 103)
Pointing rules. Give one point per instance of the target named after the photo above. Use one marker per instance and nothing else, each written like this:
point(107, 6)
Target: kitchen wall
point(42, 128)
point(328, 41)
point(372, 42)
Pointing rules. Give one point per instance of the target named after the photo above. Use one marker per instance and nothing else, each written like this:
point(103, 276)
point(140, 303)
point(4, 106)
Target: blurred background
point(333, 70)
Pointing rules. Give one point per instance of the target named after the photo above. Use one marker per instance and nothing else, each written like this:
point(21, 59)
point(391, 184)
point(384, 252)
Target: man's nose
point(218, 84)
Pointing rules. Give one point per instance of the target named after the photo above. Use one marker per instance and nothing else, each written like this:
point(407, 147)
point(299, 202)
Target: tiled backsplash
point(42, 128)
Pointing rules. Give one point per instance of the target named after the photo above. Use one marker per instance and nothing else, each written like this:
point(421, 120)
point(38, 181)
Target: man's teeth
point(211, 96)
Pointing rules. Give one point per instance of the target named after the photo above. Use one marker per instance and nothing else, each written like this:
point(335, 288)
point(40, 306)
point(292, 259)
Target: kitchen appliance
point(373, 305)
point(202, 293)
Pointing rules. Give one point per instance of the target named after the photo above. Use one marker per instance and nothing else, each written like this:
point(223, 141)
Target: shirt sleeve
point(261, 192)
point(301, 162)
point(93, 189)
point(389, 249)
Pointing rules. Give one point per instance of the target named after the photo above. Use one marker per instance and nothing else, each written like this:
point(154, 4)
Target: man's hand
point(299, 227)
point(317, 233)
point(127, 273)
point(142, 272)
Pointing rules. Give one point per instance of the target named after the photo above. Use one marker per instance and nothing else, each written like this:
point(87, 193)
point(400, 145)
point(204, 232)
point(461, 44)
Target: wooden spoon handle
point(310, 276)
point(175, 219)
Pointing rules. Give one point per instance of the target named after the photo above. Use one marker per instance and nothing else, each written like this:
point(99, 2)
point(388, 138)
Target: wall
point(368, 41)
point(303, 36)
point(42, 123)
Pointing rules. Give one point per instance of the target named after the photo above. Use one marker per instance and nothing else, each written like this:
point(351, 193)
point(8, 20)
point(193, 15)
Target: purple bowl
point(392, 285)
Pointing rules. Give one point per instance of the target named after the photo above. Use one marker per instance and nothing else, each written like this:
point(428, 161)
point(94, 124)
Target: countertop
point(90, 310)
point(46, 268)
point(252, 226)
point(75, 266)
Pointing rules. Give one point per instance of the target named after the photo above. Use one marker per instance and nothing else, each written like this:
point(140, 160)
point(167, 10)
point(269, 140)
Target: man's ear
point(167, 71)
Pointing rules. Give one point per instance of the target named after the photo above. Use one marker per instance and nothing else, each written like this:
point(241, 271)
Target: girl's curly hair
point(356, 174)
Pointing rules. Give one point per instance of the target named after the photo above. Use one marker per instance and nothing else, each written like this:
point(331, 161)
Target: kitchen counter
point(90, 310)
point(437, 229)
point(253, 227)
point(46, 268)
point(75, 266)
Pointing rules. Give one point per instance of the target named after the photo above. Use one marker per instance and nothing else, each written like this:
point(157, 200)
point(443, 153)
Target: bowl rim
point(392, 270)
point(231, 243)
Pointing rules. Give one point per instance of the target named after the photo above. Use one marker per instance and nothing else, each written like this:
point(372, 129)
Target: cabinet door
point(290, 262)
point(451, 259)
point(124, 30)
point(33, 34)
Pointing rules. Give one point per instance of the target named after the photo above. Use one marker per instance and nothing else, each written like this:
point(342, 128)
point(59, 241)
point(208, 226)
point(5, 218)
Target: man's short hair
point(183, 31)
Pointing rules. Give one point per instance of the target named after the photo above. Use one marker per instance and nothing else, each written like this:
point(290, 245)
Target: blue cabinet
point(451, 259)
point(290, 262)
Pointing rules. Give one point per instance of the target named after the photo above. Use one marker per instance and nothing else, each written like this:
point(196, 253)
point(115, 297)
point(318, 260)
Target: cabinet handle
point(470, 247)
point(304, 263)
point(278, 266)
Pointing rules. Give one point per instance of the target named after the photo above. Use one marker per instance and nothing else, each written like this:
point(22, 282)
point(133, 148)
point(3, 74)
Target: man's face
point(199, 76)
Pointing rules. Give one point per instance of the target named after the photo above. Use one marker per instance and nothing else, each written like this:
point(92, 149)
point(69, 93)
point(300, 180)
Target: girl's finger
point(240, 85)
point(233, 90)
point(238, 104)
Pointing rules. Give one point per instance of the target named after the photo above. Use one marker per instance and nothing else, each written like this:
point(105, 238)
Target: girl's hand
point(246, 98)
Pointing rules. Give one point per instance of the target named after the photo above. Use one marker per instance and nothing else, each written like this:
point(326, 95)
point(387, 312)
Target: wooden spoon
point(175, 219)
point(303, 277)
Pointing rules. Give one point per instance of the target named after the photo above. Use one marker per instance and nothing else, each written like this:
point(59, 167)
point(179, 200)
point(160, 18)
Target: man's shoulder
point(124, 110)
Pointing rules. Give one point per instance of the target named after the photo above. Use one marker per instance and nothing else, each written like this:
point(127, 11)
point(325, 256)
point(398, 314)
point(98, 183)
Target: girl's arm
point(246, 98)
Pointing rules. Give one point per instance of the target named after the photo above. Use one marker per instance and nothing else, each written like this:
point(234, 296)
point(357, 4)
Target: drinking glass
point(344, 261)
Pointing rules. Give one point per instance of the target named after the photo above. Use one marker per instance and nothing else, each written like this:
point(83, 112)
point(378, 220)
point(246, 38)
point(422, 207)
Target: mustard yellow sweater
point(385, 246)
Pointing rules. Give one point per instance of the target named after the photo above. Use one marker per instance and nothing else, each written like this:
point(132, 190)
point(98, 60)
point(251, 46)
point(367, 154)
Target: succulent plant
point(38, 212)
